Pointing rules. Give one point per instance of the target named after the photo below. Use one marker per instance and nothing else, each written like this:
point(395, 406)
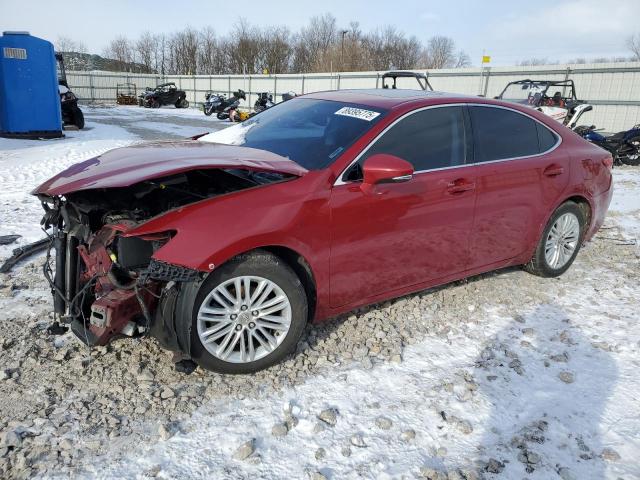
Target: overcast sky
point(507, 30)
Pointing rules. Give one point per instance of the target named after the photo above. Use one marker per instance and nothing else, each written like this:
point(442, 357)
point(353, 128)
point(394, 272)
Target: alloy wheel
point(562, 240)
point(244, 319)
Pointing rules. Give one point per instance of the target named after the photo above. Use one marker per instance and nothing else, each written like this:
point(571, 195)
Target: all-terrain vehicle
point(390, 79)
point(71, 113)
point(165, 94)
point(556, 98)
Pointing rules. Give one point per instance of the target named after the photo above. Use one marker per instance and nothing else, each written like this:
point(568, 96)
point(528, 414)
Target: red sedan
point(223, 247)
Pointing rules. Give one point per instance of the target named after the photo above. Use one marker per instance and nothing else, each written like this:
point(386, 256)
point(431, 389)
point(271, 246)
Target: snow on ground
point(25, 164)
point(503, 376)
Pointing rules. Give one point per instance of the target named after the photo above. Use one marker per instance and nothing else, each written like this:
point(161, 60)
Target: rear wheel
point(632, 155)
point(248, 315)
point(155, 103)
point(560, 242)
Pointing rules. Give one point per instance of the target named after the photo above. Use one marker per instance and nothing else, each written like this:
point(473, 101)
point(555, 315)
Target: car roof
point(389, 97)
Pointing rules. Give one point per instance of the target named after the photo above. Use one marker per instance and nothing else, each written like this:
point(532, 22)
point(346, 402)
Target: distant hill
point(86, 61)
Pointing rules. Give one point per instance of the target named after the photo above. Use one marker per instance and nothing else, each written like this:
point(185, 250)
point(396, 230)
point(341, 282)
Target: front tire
point(248, 315)
point(182, 103)
point(560, 242)
point(78, 118)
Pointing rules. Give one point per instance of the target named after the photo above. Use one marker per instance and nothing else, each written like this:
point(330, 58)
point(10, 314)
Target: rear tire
point(287, 290)
point(634, 158)
point(560, 242)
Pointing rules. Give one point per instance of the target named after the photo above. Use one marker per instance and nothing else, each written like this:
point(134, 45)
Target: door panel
point(400, 234)
point(516, 184)
point(513, 198)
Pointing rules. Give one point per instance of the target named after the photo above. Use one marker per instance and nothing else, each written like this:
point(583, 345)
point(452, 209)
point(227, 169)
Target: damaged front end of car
point(105, 283)
point(104, 278)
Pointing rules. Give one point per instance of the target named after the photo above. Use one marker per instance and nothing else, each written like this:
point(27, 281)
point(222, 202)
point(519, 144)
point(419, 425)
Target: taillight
point(608, 162)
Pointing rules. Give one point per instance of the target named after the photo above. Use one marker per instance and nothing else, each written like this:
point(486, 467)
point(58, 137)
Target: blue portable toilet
point(29, 95)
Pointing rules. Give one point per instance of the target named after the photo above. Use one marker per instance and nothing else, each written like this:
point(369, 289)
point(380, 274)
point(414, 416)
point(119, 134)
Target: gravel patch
point(61, 403)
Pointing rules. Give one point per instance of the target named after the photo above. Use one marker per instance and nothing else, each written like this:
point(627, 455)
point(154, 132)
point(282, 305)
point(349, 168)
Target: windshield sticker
point(360, 113)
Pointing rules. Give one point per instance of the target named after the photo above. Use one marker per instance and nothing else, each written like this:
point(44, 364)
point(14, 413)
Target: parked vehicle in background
point(143, 94)
point(165, 94)
point(222, 106)
point(556, 99)
point(71, 113)
point(624, 146)
point(286, 96)
point(229, 106)
point(390, 79)
point(224, 247)
point(264, 101)
point(211, 102)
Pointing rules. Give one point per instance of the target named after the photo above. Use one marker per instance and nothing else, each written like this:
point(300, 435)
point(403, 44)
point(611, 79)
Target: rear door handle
point(553, 171)
point(460, 185)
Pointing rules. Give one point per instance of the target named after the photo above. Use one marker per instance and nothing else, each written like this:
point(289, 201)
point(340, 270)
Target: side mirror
point(385, 168)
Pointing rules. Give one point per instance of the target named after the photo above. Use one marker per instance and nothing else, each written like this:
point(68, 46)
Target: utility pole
point(343, 32)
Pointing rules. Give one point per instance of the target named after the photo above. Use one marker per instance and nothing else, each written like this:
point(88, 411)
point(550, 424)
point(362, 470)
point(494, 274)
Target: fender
point(583, 194)
point(271, 216)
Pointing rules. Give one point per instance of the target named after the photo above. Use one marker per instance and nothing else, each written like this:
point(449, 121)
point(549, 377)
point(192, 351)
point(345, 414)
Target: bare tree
point(66, 44)
point(633, 42)
point(533, 62)
point(121, 50)
point(318, 46)
point(160, 53)
point(245, 48)
point(462, 60)
point(144, 47)
point(276, 49)
point(440, 52)
point(387, 48)
point(314, 44)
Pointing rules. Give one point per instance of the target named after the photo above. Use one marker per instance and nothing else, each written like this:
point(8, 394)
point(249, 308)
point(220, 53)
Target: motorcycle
point(264, 101)
point(623, 146)
point(211, 102)
point(224, 107)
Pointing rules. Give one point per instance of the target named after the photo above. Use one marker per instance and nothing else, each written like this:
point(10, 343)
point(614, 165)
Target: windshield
point(525, 93)
point(311, 132)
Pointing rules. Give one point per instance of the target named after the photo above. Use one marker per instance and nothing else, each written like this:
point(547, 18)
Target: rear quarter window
point(546, 138)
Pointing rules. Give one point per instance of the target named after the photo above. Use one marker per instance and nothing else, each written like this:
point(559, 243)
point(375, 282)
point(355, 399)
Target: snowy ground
point(502, 376)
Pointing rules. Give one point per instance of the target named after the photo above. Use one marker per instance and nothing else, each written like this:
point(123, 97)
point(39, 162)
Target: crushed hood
point(126, 166)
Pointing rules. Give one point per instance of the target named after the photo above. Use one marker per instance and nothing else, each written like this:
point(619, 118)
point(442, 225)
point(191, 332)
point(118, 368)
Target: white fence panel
point(614, 89)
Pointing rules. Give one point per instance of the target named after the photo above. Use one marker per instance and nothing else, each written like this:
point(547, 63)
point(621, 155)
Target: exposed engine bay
point(107, 284)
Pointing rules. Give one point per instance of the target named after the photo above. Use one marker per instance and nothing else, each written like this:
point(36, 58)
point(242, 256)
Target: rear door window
point(501, 134)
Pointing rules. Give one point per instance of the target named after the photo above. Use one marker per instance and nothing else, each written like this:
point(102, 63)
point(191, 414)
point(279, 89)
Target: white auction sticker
point(360, 113)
